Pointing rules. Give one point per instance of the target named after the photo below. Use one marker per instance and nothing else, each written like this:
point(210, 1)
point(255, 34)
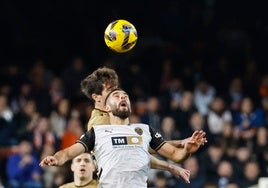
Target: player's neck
point(82, 182)
point(100, 106)
point(118, 121)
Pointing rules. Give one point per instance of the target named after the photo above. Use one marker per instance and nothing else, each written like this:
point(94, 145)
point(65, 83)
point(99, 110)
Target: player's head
point(117, 102)
point(99, 83)
point(83, 167)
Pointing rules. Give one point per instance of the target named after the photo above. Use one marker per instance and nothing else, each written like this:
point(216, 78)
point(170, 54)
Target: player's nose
point(123, 96)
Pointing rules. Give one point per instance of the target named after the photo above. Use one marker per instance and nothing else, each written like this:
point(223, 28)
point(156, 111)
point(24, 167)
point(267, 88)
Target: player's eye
point(116, 96)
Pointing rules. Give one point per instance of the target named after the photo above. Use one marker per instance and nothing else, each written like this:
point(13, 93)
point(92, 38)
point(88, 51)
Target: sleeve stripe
point(158, 147)
point(85, 146)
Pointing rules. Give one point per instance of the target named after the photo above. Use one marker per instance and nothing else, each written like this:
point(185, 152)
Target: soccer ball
point(120, 36)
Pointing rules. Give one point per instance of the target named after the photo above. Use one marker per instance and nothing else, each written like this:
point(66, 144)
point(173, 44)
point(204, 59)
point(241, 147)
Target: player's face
point(83, 166)
point(119, 104)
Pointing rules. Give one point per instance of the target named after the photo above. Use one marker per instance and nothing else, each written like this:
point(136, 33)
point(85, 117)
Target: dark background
point(57, 31)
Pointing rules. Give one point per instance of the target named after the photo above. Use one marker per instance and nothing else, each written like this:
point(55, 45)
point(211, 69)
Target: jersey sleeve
point(157, 140)
point(87, 140)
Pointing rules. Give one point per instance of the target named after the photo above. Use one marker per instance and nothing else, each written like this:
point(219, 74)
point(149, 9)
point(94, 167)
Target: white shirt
point(216, 122)
point(122, 153)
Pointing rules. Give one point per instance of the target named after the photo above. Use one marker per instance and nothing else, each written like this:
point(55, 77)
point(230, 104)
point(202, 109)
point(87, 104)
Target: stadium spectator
point(204, 93)
point(225, 174)
point(171, 96)
point(59, 117)
point(242, 156)
point(42, 135)
point(251, 174)
point(218, 116)
point(26, 120)
point(210, 161)
point(23, 169)
point(184, 111)
point(56, 91)
point(72, 132)
point(152, 114)
point(72, 76)
point(234, 94)
point(263, 87)
point(247, 120)
point(161, 181)
point(168, 129)
point(7, 123)
point(264, 106)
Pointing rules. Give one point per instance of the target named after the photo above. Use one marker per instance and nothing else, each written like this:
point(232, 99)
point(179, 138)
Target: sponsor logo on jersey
point(138, 130)
point(126, 140)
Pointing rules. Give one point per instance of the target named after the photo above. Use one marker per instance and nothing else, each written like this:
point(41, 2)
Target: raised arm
point(173, 169)
point(197, 139)
point(62, 156)
point(173, 153)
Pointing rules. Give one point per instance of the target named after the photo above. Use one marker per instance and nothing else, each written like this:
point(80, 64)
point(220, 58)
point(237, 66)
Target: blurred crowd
point(197, 65)
point(41, 112)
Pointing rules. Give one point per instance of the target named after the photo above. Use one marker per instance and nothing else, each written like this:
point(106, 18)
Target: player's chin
point(83, 173)
point(124, 108)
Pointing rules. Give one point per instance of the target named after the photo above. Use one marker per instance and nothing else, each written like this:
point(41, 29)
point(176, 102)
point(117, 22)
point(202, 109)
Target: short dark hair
point(93, 83)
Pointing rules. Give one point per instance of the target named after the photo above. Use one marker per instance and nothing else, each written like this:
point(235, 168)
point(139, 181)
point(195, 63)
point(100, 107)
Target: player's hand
point(193, 143)
point(49, 161)
point(180, 172)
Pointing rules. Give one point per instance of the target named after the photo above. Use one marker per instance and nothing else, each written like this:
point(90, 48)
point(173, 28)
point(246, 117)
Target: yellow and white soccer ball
point(120, 36)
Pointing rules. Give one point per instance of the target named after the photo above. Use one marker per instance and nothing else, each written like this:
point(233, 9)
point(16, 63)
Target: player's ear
point(107, 108)
point(94, 168)
point(96, 97)
point(72, 167)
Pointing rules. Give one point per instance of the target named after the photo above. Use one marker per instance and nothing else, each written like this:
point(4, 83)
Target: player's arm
point(60, 157)
point(175, 154)
point(176, 143)
point(173, 169)
point(171, 152)
point(197, 139)
point(85, 143)
point(165, 149)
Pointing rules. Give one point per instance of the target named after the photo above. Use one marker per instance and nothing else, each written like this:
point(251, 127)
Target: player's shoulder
point(94, 183)
point(98, 117)
point(101, 126)
point(140, 125)
point(99, 112)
